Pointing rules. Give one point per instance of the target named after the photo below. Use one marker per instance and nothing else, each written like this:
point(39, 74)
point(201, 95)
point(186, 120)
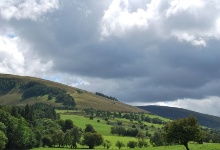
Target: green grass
point(81, 121)
point(123, 139)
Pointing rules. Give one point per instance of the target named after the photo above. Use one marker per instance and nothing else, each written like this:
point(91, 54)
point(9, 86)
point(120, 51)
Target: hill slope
point(175, 113)
point(20, 90)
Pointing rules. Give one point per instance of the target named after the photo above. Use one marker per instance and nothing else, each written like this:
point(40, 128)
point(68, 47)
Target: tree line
point(103, 95)
point(140, 117)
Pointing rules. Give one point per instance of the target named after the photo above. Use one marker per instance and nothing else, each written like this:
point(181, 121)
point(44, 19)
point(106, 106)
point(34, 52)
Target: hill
point(175, 113)
point(22, 90)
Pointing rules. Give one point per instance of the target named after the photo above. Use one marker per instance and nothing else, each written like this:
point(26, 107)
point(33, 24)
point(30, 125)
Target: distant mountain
point(175, 113)
point(22, 90)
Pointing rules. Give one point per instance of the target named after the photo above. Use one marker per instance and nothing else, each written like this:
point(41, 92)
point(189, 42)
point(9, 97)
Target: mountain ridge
point(12, 93)
point(176, 113)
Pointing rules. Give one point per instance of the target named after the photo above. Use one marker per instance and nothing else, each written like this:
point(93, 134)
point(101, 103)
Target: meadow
point(103, 128)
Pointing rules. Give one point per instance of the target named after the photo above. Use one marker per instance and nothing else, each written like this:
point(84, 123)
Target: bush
point(119, 144)
point(157, 139)
point(142, 144)
point(132, 144)
point(107, 144)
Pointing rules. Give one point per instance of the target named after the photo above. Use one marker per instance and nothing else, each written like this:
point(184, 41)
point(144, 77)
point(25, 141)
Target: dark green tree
point(24, 136)
point(119, 144)
point(107, 144)
point(89, 128)
point(3, 140)
point(157, 139)
point(68, 124)
point(11, 123)
point(3, 127)
point(75, 136)
point(92, 139)
point(47, 141)
point(132, 144)
point(62, 124)
point(119, 130)
point(58, 138)
point(182, 131)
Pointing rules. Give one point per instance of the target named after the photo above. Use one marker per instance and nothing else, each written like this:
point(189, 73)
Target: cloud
point(178, 6)
point(150, 51)
point(11, 58)
point(119, 18)
point(26, 9)
point(190, 38)
point(16, 59)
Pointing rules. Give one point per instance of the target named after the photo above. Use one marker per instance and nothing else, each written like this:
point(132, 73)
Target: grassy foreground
point(205, 146)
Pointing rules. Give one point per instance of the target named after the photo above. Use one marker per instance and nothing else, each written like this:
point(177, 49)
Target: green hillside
point(175, 113)
point(21, 90)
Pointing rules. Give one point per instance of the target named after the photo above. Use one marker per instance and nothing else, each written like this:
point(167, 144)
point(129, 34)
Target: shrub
point(119, 144)
point(132, 144)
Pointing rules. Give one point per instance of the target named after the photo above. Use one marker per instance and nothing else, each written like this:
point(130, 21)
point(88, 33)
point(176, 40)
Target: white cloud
point(15, 58)
point(185, 20)
point(217, 26)
point(119, 18)
point(10, 57)
point(184, 36)
point(177, 6)
point(26, 9)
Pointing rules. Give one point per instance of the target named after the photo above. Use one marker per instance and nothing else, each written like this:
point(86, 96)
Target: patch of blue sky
point(80, 82)
point(55, 78)
point(11, 35)
point(72, 81)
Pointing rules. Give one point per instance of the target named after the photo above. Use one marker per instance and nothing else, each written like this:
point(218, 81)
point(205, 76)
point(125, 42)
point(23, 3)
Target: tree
point(68, 124)
point(120, 130)
point(92, 139)
point(142, 144)
point(75, 136)
point(141, 140)
point(107, 144)
point(47, 141)
point(157, 139)
point(182, 131)
point(58, 138)
point(119, 144)
point(132, 144)
point(89, 128)
point(3, 127)
point(23, 135)
point(141, 136)
point(3, 140)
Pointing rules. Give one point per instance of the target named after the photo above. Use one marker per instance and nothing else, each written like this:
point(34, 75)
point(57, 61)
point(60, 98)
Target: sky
point(143, 52)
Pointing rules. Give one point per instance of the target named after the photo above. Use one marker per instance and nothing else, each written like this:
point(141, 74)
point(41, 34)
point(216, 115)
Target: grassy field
point(101, 127)
point(81, 121)
point(177, 147)
point(104, 129)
